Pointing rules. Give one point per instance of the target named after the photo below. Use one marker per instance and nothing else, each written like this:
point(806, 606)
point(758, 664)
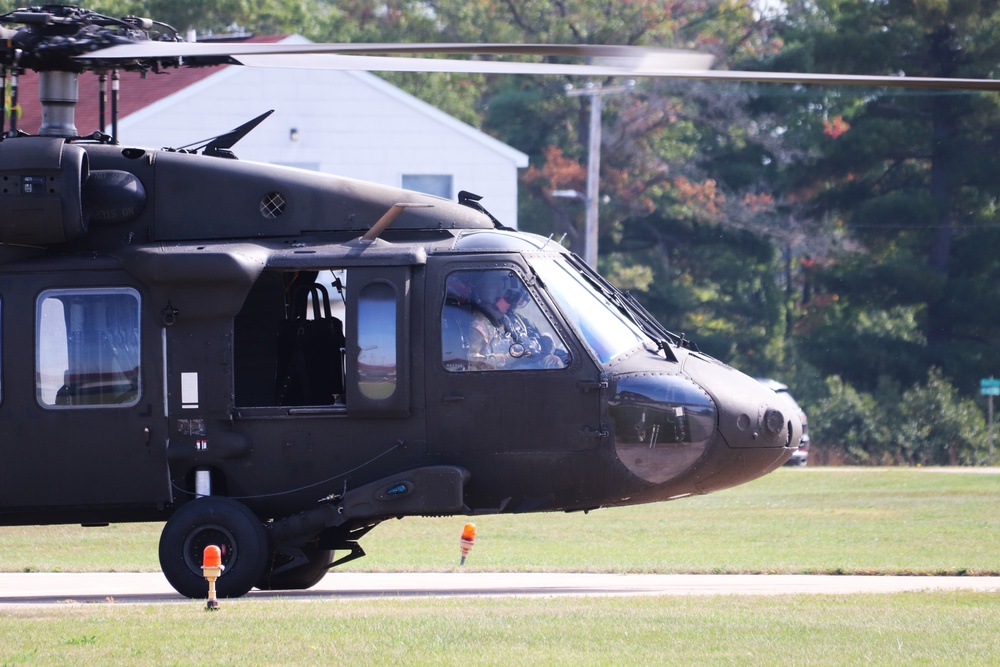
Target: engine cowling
point(41, 191)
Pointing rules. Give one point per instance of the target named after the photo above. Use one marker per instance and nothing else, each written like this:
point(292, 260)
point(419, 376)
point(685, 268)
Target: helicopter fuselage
point(177, 328)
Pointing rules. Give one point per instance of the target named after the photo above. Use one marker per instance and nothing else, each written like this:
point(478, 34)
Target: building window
point(438, 185)
point(87, 348)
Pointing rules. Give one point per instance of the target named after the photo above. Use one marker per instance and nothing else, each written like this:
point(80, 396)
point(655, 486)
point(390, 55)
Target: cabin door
point(82, 413)
point(504, 375)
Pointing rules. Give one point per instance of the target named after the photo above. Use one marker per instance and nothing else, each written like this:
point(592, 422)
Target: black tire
point(300, 577)
point(225, 523)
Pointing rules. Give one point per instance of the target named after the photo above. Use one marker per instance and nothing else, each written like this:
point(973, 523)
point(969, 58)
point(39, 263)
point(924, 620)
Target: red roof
point(136, 92)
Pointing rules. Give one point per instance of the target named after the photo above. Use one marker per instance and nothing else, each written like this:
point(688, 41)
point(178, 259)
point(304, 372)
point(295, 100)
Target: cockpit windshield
point(602, 324)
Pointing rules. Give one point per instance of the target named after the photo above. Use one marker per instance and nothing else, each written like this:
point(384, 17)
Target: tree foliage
point(218, 16)
point(912, 177)
point(928, 424)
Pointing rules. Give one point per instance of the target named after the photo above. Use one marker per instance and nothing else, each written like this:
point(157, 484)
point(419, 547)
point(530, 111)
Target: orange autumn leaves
point(699, 199)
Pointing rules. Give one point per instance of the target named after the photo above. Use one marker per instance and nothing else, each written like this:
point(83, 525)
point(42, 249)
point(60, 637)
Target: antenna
point(219, 146)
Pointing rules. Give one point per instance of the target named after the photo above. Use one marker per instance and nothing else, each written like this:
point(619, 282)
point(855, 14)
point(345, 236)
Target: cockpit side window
point(491, 322)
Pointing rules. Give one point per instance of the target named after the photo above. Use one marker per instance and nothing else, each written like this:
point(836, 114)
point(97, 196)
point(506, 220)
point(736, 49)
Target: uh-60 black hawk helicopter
point(170, 351)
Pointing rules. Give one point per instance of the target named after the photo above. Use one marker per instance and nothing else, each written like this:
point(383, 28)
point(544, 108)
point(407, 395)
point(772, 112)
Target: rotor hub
point(52, 36)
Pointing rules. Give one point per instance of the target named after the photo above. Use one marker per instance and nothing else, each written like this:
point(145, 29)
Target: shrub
point(928, 424)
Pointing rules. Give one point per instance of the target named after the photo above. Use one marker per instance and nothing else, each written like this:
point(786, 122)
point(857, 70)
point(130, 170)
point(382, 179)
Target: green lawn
point(813, 520)
point(901, 629)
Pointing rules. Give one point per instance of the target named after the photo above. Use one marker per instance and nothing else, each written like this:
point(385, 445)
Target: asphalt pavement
point(67, 588)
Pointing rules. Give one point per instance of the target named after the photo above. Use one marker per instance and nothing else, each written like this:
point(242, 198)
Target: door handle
point(598, 433)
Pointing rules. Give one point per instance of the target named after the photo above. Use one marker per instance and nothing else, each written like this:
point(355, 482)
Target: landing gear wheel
point(225, 523)
point(300, 577)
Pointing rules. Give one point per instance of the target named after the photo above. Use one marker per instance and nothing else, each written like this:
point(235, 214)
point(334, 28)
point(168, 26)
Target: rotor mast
point(58, 92)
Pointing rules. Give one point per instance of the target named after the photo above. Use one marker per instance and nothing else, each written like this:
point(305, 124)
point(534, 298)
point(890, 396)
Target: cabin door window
point(325, 340)
point(377, 363)
point(87, 348)
point(378, 342)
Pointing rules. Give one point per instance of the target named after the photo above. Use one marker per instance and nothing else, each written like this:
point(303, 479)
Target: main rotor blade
point(680, 59)
point(609, 67)
point(839, 79)
point(610, 60)
point(606, 66)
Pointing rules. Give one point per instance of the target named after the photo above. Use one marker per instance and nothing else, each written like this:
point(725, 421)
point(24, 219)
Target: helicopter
point(276, 361)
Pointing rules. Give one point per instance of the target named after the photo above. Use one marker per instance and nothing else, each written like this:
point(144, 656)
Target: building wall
point(347, 123)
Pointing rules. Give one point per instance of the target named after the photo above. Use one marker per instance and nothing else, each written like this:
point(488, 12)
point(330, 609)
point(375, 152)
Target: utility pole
point(596, 93)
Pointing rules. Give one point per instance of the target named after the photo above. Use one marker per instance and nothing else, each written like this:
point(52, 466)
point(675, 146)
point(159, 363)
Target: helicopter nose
point(755, 433)
point(750, 414)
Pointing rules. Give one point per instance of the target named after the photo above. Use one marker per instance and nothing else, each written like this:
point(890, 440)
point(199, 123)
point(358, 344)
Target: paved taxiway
point(52, 588)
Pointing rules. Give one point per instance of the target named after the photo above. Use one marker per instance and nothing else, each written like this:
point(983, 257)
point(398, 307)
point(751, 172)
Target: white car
point(801, 455)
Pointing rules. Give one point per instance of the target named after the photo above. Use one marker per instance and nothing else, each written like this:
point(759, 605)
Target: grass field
point(903, 629)
point(812, 520)
point(818, 520)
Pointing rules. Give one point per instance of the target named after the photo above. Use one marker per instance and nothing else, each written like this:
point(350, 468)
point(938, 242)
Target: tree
point(261, 16)
point(912, 177)
point(935, 426)
point(850, 422)
point(696, 240)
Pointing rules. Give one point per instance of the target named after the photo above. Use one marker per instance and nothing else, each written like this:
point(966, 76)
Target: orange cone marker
point(211, 568)
point(468, 540)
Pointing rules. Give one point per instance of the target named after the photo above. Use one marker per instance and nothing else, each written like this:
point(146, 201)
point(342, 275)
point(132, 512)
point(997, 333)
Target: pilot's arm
point(482, 336)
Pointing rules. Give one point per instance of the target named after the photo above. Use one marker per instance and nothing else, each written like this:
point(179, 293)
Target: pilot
point(456, 318)
point(499, 337)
